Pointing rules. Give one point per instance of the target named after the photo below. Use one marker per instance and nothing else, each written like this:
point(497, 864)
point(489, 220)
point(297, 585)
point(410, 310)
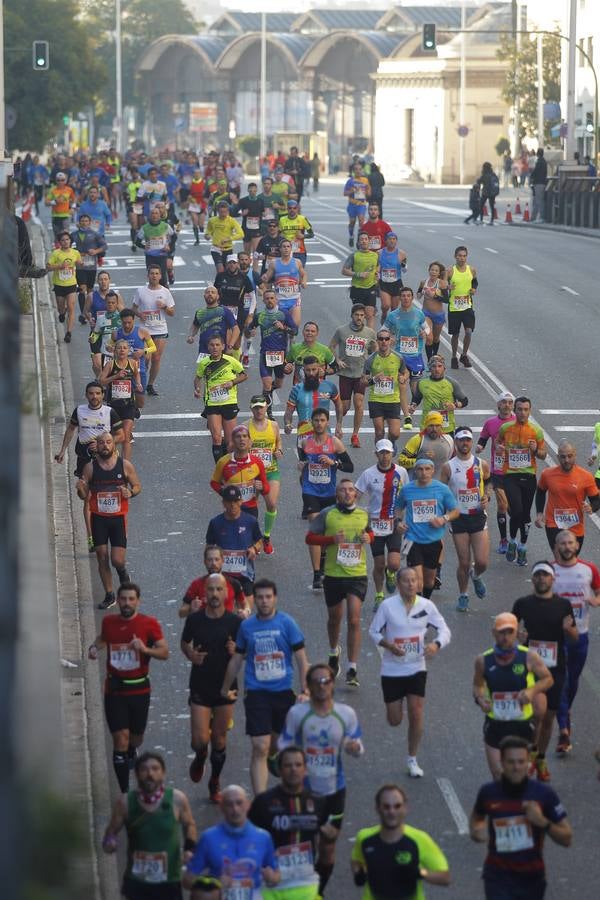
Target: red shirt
point(122, 660)
point(197, 591)
point(377, 232)
point(242, 473)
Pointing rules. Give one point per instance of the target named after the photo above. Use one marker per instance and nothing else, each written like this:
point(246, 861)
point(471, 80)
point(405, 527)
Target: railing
point(573, 200)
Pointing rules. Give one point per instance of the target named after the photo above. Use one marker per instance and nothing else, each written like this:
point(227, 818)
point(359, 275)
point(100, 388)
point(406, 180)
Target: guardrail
point(573, 200)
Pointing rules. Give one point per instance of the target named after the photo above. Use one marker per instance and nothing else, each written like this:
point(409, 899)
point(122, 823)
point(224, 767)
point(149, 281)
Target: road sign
point(463, 130)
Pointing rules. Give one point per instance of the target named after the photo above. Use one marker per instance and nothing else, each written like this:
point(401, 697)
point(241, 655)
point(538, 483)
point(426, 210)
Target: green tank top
point(460, 296)
point(365, 261)
point(154, 847)
point(346, 560)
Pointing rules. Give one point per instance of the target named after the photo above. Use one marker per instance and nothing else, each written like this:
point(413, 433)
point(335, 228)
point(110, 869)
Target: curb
point(565, 229)
point(84, 738)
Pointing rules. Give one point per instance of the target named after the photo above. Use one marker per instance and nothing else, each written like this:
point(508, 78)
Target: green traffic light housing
point(41, 56)
point(429, 41)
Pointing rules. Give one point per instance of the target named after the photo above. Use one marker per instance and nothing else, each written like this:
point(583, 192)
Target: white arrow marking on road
point(569, 290)
point(454, 805)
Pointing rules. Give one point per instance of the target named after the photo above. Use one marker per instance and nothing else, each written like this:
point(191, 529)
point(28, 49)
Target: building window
point(492, 120)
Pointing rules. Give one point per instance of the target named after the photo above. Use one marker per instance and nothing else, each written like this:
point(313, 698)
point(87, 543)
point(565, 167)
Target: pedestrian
point(538, 180)
point(490, 188)
point(507, 164)
point(474, 203)
point(315, 170)
point(377, 183)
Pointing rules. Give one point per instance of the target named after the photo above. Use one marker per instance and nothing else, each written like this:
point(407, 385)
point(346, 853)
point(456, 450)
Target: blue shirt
point(172, 183)
point(234, 534)
point(421, 505)
point(135, 343)
point(269, 645)
point(240, 853)
point(98, 212)
point(216, 320)
point(406, 325)
point(306, 401)
point(389, 263)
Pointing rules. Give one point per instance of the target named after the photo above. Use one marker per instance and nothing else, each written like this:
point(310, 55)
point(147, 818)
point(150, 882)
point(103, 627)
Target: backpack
point(494, 185)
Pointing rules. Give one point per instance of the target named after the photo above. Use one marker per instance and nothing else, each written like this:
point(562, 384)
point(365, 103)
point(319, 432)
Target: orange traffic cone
point(508, 217)
point(484, 210)
point(526, 213)
point(495, 215)
point(518, 207)
point(28, 207)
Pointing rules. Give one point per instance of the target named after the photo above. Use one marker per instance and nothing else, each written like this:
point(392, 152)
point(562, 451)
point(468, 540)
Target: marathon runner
point(63, 263)
point(491, 427)
point(387, 375)
point(296, 228)
point(222, 230)
point(91, 245)
point(276, 327)
point(214, 319)
point(392, 264)
point(568, 491)
point(440, 394)
point(431, 443)
point(288, 277)
point(242, 469)
point(268, 447)
point(362, 267)
point(408, 325)
point(239, 537)
point(251, 208)
point(309, 395)
point(357, 190)
point(194, 598)
point(376, 228)
point(155, 240)
point(233, 287)
point(309, 346)
point(140, 345)
point(221, 375)
point(434, 293)
point(352, 344)
point(462, 282)
point(196, 204)
point(152, 304)
point(121, 378)
point(269, 247)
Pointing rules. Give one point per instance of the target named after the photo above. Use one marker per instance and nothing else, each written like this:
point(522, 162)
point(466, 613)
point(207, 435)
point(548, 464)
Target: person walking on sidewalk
point(538, 180)
point(474, 203)
point(490, 188)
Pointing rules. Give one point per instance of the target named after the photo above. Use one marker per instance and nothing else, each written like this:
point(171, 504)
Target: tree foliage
point(522, 77)
point(75, 76)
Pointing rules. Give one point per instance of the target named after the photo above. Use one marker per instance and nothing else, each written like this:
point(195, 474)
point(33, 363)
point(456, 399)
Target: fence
point(573, 200)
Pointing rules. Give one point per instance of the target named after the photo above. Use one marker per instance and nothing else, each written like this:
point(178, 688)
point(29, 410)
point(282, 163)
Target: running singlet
point(216, 374)
point(68, 260)
point(405, 326)
point(460, 291)
point(577, 584)
point(466, 483)
point(105, 485)
point(322, 737)
point(286, 280)
point(360, 190)
point(121, 390)
point(422, 504)
point(515, 438)
point(305, 401)
point(435, 393)
point(490, 429)
point(382, 487)
point(153, 842)
point(505, 683)
point(393, 869)
point(239, 853)
point(93, 422)
point(318, 479)
point(290, 227)
point(263, 445)
point(348, 559)
point(135, 343)
point(364, 265)
point(390, 267)
point(269, 645)
point(386, 388)
point(273, 340)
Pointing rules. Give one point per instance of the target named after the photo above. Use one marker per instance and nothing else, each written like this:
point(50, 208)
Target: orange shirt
point(518, 459)
point(64, 197)
point(566, 492)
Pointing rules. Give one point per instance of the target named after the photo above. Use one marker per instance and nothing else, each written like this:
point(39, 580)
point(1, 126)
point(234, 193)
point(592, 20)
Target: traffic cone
point(28, 207)
point(495, 216)
point(518, 207)
point(484, 211)
point(508, 218)
point(526, 213)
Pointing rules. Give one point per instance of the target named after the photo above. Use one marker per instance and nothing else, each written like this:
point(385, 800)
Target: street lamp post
point(263, 84)
point(119, 76)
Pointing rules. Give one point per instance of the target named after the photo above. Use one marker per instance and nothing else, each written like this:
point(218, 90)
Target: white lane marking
point(490, 250)
point(454, 805)
point(196, 415)
point(450, 210)
point(431, 230)
point(569, 290)
point(570, 412)
point(144, 434)
point(458, 237)
point(574, 428)
point(527, 268)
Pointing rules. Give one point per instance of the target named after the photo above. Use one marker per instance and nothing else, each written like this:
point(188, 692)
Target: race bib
point(152, 317)
point(445, 417)
point(359, 194)
point(109, 502)
point(506, 707)
point(89, 261)
point(578, 607)
point(409, 345)
point(248, 492)
point(295, 246)
point(248, 298)
point(268, 213)
point(382, 527)
point(461, 303)
point(218, 394)
point(265, 455)
point(239, 890)
point(513, 834)
point(201, 356)
point(287, 290)
point(384, 386)
point(469, 500)
point(124, 658)
point(194, 207)
point(318, 474)
point(423, 510)
point(235, 561)
point(349, 555)
point(498, 461)
point(411, 647)
point(548, 650)
point(65, 274)
point(296, 861)
point(389, 275)
point(354, 346)
point(274, 358)
point(375, 242)
point(187, 179)
point(121, 390)
point(518, 458)
point(253, 223)
point(269, 666)
point(156, 243)
point(320, 760)
point(95, 224)
point(566, 518)
point(149, 867)
point(138, 209)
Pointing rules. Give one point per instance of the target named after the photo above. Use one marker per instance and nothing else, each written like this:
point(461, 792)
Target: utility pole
point(570, 142)
point(263, 84)
point(461, 105)
point(119, 77)
point(540, 89)
point(516, 135)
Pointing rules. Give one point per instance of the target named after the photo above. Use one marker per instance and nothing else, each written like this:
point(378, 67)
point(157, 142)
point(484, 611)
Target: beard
point(311, 382)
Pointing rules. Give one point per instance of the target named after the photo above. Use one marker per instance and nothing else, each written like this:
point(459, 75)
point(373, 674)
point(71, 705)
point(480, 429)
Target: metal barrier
point(573, 200)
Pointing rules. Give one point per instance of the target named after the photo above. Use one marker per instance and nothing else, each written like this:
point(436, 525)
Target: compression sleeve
point(540, 500)
point(345, 462)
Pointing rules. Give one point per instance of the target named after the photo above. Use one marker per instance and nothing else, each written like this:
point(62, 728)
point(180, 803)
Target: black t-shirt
point(543, 620)
point(210, 636)
point(255, 207)
point(289, 818)
point(232, 289)
point(269, 248)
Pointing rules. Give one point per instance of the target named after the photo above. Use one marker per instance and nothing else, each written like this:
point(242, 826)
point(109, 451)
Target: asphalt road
point(537, 308)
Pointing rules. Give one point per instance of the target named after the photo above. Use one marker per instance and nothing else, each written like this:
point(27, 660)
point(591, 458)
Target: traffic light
point(589, 122)
point(41, 56)
point(429, 40)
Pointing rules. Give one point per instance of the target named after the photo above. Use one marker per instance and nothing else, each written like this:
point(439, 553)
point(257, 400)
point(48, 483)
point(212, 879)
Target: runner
point(135, 208)
point(546, 623)
point(208, 642)
point(121, 378)
point(399, 627)
point(153, 816)
point(491, 427)
point(273, 205)
point(514, 815)
point(155, 240)
point(357, 190)
point(386, 372)
point(268, 641)
point(194, 598)
point(101, 335)
point(309, 346)
point(325, 730)
point(521, 444)
point(276, 327)
point(242, 469)
point(61, 198)
point(63, 263)
point(462, 281)
point(140, 345)
point(578, 581)
point(392, 263)
point(239, 537)
point(269, 246)
point(430, 443)
point(468, 479)
point(296, 228)
point(90, 245)
point(152, 303)
point(131, 640)
point(233, 287)
point(381, 484)
point(507, 677)
point(288, 277)
point(568, 491)
point(222, 230)
point(268, 447)
point(362, 267)
point(430, 506)
point(309, 395)
point(440, 394)
point(97, 211)
point(343, 530)
point(221, 375)
point(594, 453)
point(434, 292)
point(109, 481)
point(214, 319)
point(392, 859)
point(352, 344)
point(409, 327)
point(250, 299)
point(196, 204)
point(251, 208)
point(376, 228)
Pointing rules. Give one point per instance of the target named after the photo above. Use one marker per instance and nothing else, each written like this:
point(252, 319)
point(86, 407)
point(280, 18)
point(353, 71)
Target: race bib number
point(153, 317)
point(269, 666)
point(566, 518)
point(469, 500)
point(65, 274)
point(445, 417)
point(548, 650)
point(349, 555)
point(423, 511)
point(513, 834)
point(384, 386)
point(506, 707)
point(296, 861)
point(320, 760)
point(218, 394)
point(287, 290)
point(149, 867)
point(235, 561)
point(359, 194)
point(109, 502)
point(194, 207)
point(461, 303)
point(268, 213)
point(202, 356)
point(248, 298)
point(498, 460)
point(518, 458)
point(95, 224)
point(274, 358)
point(121, 390)
point(355, 347)
point(382, 527)
point(264, 454)
point(89, 261)
point(124, 658)
point(389, 275)
point(156, 243)
point(411, 647)
point(253, 223)
point(239, 890)
point(138, 209)
point(187, 179)
point(295, 246)
point(248, 492)
point(375, 242)
point(409, 345)
point(578, 607)
point(318, 474)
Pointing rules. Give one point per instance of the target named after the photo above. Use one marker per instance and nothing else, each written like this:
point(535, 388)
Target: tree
point(41, 99)
point(522, 77)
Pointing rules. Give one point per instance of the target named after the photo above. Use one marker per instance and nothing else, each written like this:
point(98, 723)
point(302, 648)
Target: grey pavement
point(536, 312)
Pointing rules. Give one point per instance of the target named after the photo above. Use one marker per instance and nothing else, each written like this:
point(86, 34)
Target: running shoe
point(541, 768)
point(67, 337)
point(511, 551)
point(352, 677)
point(171, 278)
point(109, 600)
point(268, 547)
point(564, 744)
point(407, 423)
point(197, 768)
point(478, 584)
point(462, 604)
point(466, 361)
point(379, 598)
point(82, 320)
point(333, 661)
point(214, 791)
point(91, 547)
point(124, 577)
point(502, 546)
point(62, 317)
point(437, 583)
point(390, 580)
point(245, 360)
point(151, 391)
point(413, 768)
point(351, 242)
point(522, 556)
point(133, 248)
point(355, 441)
point(317, 584)
point(454, 363)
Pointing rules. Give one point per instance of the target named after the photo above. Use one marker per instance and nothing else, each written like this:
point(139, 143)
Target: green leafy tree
point(522, 77)
point(41, 99)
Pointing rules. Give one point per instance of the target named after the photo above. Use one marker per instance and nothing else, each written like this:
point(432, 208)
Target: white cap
point(384, 444)
point(232, 258)
point(504, 395)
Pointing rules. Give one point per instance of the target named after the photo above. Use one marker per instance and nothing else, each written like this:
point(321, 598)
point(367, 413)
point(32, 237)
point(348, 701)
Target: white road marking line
point(170, 434)
point(449, 210)
point(431, 230)
point(527, 268)
point(196, 415)
point(490, 250)
point(458, 237)
point(171, 533)
point(573, 427)
point(569, 290)
point(454, 805)
point(570, 412)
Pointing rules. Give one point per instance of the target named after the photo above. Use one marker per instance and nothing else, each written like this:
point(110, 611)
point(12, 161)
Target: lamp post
point(263, 84)
point(119, 76)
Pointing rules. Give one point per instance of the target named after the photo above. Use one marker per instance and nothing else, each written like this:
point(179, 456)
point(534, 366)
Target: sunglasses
point(325, 679)
point(384, 339)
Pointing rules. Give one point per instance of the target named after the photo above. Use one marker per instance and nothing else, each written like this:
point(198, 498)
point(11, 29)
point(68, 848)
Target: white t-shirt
point(577, 584)
point(407, 629)
point(154, 318)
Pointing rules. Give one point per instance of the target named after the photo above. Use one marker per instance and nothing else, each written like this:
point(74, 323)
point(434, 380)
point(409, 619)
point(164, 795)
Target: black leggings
point(520, 491)
point(492, 202)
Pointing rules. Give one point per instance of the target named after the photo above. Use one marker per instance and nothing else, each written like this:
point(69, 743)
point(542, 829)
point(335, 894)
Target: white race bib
point(248, 492)
point(253, 223)
point(264, 454)
point(506, 707)
point(359, 194)
point(519, 458)
point(109, 502)
point(318, 474)
point(548, 650)
point(355, 346)
point(235, 562)
point(269, 666)
point(408, 345)
point(65, 274)
point(268, 213)
point(423, 510)
point(124, 658)
point(155, 243)
point(349, 555)
point(382, 527)
point(152, 317)
point(287, 290)
point(138, 208)
point(239, 890)
point(375, 242)
point(194, 207)
point(498, 461)
point(121, 390)
point(202, 356)
point(384, 386)
point(566, 518)
point(461, 303)
point(296, 861)
point(218, 394)
point(320, 760)
point(513, 834)
point(389, 275)
point(274, 358)
point(469, 500)
point(295, 246)
point(88, 260)
point(411, 647)
point(149, 867)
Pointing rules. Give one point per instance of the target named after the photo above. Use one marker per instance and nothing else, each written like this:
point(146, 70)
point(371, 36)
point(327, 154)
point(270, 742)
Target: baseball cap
point(231, 492)
point(424, 461)
point(543, 567)
point(463, 432)
point(222, 204)
point(60, 176)
point(232, 258)
point(391, 234)
point(258, 400)
point(271, 223)
point(505, 620)
point(433, 418)
point(504, 395)
point(292, 203)
point(384, 444)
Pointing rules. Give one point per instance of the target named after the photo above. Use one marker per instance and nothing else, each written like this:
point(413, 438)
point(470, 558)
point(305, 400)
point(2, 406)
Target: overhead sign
point(203, 116)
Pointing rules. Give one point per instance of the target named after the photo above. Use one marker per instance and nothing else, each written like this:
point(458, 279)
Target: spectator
point(507, 165)
point(538, 180)
point(531, 161)
point(474, 203)
point(591, 168)
point(490, 188)
point(377, 182)
point(315, 170)
point(523, 168)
